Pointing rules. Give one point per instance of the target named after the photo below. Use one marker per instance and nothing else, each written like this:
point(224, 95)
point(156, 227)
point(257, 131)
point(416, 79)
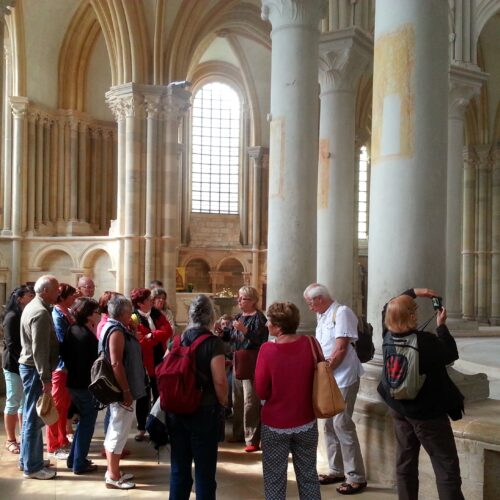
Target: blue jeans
point(31, 457)
point(194, 437)
point(85, 404)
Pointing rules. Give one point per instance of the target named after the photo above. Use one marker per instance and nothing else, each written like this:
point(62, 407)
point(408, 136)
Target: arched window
point(215, 155)
point(363, 193)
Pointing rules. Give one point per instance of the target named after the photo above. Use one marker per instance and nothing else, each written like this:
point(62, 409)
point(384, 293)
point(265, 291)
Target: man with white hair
point(86, 287)
point(39, 356)
point(337, 332)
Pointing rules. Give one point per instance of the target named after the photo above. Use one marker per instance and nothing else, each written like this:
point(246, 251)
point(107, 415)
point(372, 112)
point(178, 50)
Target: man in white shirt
point(337, 331)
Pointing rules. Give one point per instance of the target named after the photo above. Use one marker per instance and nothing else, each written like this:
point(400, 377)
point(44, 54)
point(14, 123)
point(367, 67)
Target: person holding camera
point(420, 394)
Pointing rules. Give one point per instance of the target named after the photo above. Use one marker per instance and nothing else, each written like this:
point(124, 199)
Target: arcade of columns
point(416, 186)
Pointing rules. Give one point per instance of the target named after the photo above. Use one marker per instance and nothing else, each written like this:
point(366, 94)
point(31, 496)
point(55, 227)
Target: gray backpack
point(401, 373)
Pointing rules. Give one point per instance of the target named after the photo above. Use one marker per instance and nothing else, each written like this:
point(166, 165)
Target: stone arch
point(98, 263)
point(56, 260)
point(16, 49)
point(195, 26)
point(42, 255)
point(485, 10)
point(198, 274)
point(230, 274)
point(77, 46)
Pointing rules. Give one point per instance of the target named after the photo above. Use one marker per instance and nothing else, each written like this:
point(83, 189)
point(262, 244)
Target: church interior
point(213, 144)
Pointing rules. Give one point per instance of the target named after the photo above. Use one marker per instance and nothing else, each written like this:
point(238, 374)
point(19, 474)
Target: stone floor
point(239, 476)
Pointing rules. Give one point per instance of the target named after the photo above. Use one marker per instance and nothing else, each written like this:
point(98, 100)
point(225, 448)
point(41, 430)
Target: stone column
point(245, 182)
point(39, 172)
point(83, 174)
point(495, 239)
point(32, 119)
point(73, 170)
point(105, 178)
point(293, 150)
point(468, 235)
point(19, 107)
point(256, 153)
point(47, 194)
point(96, 186)
point(483, 232)
point(153, 193)
point(465, 82)
point(409, 133)
point(344, 55)
point(175, 105)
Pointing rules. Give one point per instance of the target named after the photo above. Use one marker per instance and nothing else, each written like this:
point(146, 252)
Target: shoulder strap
point(199, 340)
point(316, 349)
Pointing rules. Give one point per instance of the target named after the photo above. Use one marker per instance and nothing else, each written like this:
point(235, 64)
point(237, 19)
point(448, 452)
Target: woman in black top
point(10, 363)
point(423, 421)
point(195, 436)
point(79, 352)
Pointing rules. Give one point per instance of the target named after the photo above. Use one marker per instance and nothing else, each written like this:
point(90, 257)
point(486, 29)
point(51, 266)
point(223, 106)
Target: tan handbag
point(327, 399)
point(46, 409)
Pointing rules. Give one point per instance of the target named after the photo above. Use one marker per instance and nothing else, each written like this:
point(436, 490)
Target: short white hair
point(43, 282)
point(316, 290)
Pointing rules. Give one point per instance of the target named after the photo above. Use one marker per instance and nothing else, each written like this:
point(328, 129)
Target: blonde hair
point(250, 292)
point(400, 315)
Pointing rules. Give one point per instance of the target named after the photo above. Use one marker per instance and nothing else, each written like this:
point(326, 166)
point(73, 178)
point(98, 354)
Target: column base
point(74, 228)
point(6, 232)
point(462, 324)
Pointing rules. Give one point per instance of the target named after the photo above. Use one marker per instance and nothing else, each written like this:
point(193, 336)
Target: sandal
point(12, 446)
point(330, 479)
point(350, 489)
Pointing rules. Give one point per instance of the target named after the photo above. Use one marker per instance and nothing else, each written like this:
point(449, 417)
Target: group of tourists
point(257, 369)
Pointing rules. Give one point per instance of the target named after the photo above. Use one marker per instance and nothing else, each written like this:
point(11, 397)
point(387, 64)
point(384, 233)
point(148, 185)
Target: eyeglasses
point(90, 287)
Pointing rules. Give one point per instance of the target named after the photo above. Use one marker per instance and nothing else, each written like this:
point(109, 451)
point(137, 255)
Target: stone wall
point(210, 230)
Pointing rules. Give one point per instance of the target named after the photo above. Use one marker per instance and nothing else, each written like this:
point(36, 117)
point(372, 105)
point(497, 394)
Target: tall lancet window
point(215, 155)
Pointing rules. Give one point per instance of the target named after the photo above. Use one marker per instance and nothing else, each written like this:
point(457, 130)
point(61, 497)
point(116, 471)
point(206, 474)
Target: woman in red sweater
point(152, 331)
point(284, 379)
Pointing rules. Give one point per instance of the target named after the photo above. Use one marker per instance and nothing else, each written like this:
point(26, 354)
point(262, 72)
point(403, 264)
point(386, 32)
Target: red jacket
point(154, 345)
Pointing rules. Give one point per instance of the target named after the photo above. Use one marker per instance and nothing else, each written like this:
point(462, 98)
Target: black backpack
point(103, 384)
point(365, 349)
point(364, 345)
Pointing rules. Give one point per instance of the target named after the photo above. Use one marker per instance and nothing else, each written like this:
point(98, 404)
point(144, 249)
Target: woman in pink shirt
point(284, 380)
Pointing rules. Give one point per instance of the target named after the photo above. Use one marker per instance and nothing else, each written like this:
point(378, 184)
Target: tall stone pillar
point(256, 153)
point(291, 263)
point(19, 107)
point(468, 235)
point(344, 55)
point(175, 105)
point(409, 134)
point(465, 82)
point(153, 192)
point(495, 239)
point(73, 169)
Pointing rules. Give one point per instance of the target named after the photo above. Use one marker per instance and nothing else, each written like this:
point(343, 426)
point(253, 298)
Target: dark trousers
point(193, 437)
point(436, 436)
point(143, 405)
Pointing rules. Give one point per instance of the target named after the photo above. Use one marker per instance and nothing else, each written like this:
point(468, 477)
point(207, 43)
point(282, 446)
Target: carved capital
point(175, 104)
point(465, 81)
point(283, 13)
point(19, 106)
point(256, 153)
point(152, 104)
point(344, 56)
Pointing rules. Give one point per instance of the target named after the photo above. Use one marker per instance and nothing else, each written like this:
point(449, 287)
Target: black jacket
point(439, 395)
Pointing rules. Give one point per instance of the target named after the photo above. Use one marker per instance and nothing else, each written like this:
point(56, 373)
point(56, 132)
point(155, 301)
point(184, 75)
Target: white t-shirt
point(340, 321)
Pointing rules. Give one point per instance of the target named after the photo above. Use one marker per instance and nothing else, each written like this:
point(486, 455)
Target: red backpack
point(179, 390)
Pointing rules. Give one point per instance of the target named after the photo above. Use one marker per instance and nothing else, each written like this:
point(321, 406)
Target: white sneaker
point(123, 476)
point(41, 474)
point(120, 484)
point(61, 454)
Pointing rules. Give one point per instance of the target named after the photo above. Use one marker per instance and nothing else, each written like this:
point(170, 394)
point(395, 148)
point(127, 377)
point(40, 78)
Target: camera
point(437, 303)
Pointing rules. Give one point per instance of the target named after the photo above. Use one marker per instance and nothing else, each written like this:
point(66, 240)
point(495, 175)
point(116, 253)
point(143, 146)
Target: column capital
point(285, 13)
point(152, 105)
point(256, 153)
point(175, 103)
point(465, 82)
point(19, 106)
point(343, 57)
